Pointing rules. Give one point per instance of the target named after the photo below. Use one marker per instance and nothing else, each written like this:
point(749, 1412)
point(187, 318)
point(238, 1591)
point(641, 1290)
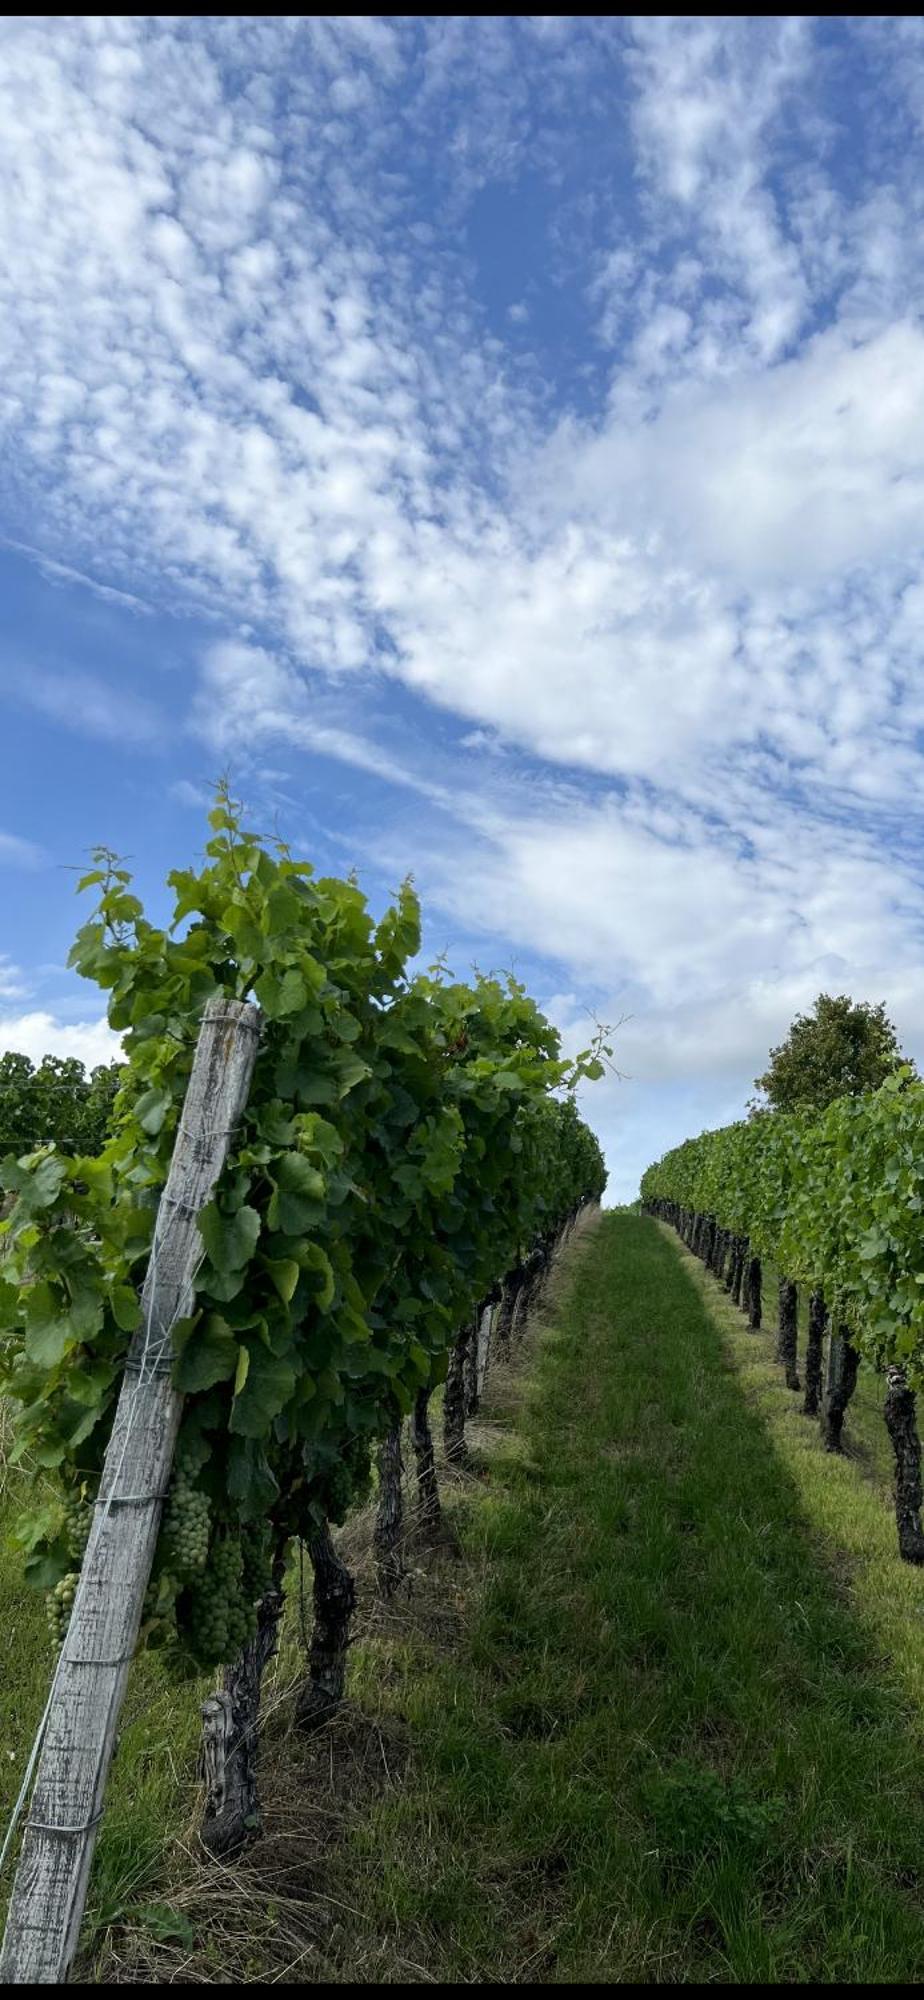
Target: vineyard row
point(400, 1158)
point(836, 1203)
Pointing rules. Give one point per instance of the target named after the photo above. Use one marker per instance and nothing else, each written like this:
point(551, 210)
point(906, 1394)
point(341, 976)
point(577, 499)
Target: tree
point(56, 1102)
point(841, 1049)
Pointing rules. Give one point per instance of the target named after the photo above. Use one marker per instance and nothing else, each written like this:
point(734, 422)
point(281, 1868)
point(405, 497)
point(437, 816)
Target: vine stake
point(50, 1889)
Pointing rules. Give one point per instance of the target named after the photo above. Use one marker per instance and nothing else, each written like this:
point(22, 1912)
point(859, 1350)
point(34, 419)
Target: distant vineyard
point(837, 1204)
point(406, 1161)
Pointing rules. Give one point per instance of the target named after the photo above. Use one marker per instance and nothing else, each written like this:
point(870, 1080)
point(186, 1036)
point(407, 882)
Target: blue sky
point(499, 444)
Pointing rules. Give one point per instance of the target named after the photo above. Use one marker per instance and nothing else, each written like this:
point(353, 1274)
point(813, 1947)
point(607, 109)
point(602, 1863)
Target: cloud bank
point(636, 515)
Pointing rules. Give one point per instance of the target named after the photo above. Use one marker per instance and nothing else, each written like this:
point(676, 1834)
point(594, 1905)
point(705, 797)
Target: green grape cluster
point(347, 1481)
point(256, 1561)
point(186, 1525)
point(78, 1520)
point(217, 1619)
point(59, 1604)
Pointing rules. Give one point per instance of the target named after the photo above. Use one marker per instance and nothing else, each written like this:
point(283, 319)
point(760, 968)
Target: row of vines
point(409, 1158)
point(836, 1203)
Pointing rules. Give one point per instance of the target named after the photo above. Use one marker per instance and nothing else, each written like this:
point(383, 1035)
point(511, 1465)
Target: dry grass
point(294, 1909)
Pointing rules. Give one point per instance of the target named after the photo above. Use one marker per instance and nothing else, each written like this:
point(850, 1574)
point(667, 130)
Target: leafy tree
point(56, 1103)
point(843, 1048)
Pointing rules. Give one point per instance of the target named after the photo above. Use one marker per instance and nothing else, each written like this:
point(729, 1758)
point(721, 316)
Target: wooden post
point(50, 1889)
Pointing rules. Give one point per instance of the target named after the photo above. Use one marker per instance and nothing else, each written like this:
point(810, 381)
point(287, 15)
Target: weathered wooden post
point(50, 1889)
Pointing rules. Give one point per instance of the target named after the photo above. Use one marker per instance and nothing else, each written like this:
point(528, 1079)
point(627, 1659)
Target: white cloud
point(187, 794)
point(796, 474)
point(18, 853)
point(86, 703)
point(701, 951)
point(248, 697)
point(13, 985)
point(58, 572)
point(40, 1034)
point(710, 95)
point(246, 359)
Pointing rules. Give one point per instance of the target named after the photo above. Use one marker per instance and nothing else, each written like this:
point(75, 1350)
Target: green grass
point(155, 1761)
point(672, 1746)
point(661, 1723)
point(866, 1437)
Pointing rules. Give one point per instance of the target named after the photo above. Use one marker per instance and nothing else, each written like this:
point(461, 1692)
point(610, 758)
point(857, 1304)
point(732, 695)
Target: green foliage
point(842, 1048)
point(837, 1202)
point(57, 1103)
point(406, 1138)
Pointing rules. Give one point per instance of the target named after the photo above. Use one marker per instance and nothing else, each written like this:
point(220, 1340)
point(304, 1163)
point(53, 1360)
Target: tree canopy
point(56, 1102)
point(843, 1048)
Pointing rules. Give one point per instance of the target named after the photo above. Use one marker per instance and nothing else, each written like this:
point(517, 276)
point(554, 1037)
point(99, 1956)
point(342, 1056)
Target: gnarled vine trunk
point(902, 1426)
point(454, 1399)
point(741, 1275)
point(519, 1310)
point(334, 1604)
point(428, 1493)
point(843, 1362)
point(470, 1369)
point(230, 1738)
point(529, 1294)
point(814, 1352)
point(535, 1277)
point(484, 1334)
point(389, 1513)
point(732, 1267)
point(788, 1338)
point(503, 1318)
point(754, 1294)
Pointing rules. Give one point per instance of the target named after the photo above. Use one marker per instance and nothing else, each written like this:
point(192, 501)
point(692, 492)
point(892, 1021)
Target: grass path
point(661, 1723)
point(670, 1750)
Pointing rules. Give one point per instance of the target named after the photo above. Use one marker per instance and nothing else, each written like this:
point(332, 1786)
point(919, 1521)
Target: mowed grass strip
point(660, 1722)
point(662, 1747)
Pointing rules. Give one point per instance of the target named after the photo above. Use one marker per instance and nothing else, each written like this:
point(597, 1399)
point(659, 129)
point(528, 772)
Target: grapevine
point(836, 1201)
point(59, 1604)
point(408, 1139)
point(186, 1525)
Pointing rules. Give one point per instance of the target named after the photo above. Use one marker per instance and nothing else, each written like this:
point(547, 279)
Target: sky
point(498, 444)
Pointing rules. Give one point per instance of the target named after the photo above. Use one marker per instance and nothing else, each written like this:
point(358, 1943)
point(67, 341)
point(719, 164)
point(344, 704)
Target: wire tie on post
point(122, 1660)
point(46, 1826)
